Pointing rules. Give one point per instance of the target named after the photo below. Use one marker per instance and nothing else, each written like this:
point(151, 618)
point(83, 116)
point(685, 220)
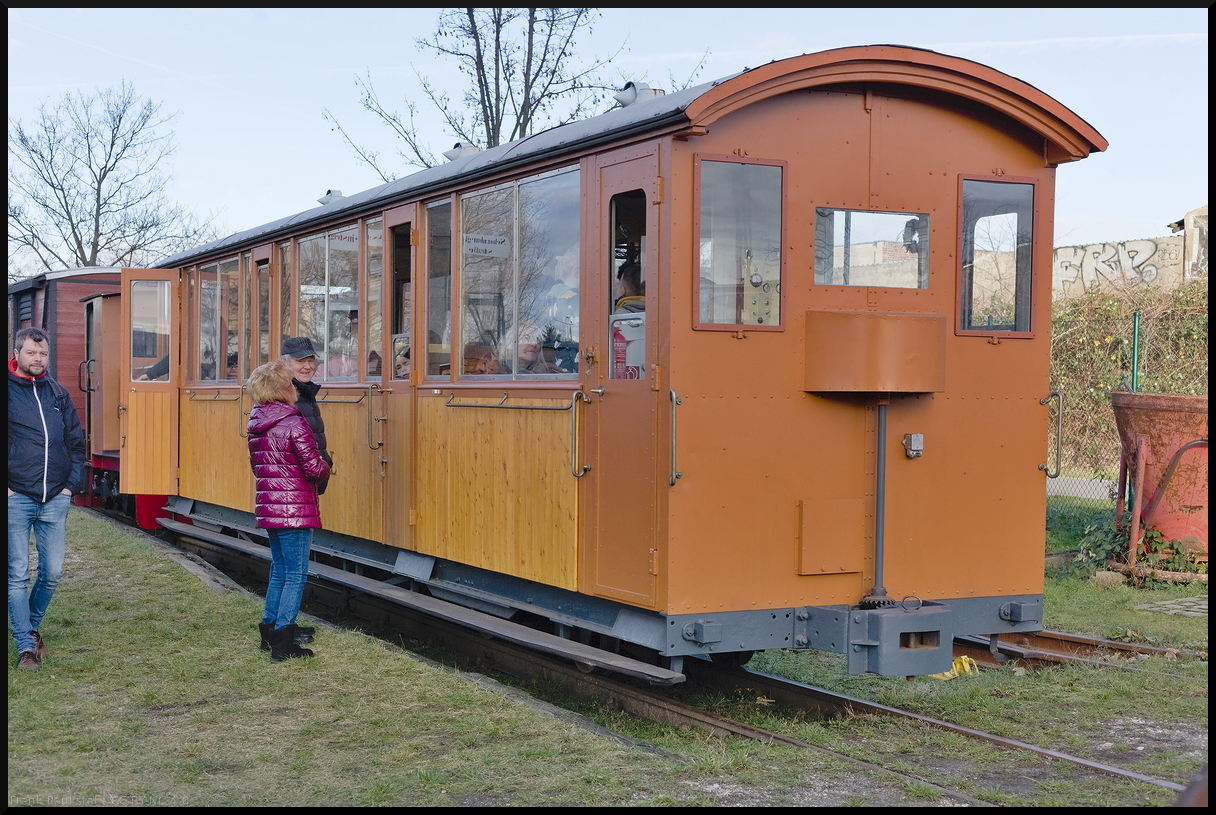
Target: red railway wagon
point(53, 302)
point(758, 364)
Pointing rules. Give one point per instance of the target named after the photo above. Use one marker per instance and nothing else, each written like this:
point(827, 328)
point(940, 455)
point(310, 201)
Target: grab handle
point(241, 424)
point(575, 469)
point(1059, 432)
point(675, 400)
point(372, 444)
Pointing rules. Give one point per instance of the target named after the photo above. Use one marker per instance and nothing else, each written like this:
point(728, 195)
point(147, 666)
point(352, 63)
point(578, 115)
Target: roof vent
point(330, 196)
point(636, 92)
point(460, 150)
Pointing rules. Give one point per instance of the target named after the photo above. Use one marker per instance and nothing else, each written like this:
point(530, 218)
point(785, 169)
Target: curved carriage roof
point(1067, 136)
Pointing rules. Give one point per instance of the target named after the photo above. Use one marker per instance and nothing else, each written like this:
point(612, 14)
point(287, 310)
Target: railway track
point(483, 651)
point(1039, 650)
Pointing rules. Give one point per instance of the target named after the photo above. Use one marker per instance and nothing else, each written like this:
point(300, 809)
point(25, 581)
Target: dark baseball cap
point(298, 348)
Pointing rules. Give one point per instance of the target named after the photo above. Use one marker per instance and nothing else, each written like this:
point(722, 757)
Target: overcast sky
point(249, 87)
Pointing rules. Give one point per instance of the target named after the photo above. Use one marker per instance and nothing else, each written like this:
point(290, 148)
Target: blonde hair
point(270, 383)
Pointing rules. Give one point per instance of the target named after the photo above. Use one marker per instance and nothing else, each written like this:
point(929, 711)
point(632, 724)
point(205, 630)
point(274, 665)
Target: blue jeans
point(49, 522)
point(288, 572)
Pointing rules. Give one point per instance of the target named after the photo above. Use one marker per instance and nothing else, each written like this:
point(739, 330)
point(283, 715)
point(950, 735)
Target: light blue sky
point(250, 86)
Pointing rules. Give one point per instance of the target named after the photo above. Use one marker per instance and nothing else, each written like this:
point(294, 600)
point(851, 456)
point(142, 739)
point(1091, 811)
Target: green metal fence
point(1091, 358)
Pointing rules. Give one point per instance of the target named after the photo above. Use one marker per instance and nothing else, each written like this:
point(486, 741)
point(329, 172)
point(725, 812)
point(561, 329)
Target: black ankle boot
point(265, 629)
point(283, 645)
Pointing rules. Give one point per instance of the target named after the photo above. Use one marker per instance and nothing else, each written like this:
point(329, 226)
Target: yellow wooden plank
point(353, 504)
point(495, 489)
point(214, 456)
point(150, 453)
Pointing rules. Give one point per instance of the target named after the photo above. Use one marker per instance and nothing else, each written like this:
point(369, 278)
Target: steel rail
point(799, 696)
point(1046, 640)
point(1039, 650)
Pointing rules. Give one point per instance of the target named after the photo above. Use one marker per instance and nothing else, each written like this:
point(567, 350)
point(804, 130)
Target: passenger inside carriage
point(401, 363)
point(157, 372)
point(531, 355)
point(481, 361)
point(632, 292)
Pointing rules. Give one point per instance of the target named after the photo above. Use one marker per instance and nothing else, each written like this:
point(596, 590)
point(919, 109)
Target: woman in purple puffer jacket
point(286, 468)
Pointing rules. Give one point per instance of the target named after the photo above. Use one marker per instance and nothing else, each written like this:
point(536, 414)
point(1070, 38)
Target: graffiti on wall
point(1197, 245)
point(1077, 269)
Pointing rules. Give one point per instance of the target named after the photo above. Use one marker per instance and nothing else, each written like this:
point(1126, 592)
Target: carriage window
point(627, 323)
point(328, 268)
point(520, 278)
point(438, 290)
point(263, 311)
point(402, 307)
point(150, 304)
point(247, 288)
point(230, 320)
point(998, 219)
point(881, 249)
point(286, 326)
point(218, 298)
point(190, 310)
point(372, 315)
point(740, 244)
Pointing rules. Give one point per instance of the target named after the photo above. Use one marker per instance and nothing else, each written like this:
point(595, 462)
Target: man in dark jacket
point(46, 466)
point(298, 353)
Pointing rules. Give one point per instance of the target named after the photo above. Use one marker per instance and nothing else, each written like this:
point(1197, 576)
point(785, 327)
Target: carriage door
point(149, 379)
point(619, 498)
point(397, 452)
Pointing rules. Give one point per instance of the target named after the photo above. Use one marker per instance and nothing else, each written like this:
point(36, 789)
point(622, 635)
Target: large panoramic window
point(218, 321)
point(864, 248)
point(998, 239)
point(328, 305)
point(519, 256)
point(740, 244)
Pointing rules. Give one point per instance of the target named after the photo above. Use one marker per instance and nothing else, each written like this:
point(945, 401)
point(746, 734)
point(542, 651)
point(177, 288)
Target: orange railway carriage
point(759, 364)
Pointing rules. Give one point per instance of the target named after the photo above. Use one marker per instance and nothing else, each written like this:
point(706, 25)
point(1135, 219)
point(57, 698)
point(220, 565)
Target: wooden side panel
point(397, 456)
point(353, 504)
point(215, 461)
point(214, 456)
point(149, 457)
point(495, 488)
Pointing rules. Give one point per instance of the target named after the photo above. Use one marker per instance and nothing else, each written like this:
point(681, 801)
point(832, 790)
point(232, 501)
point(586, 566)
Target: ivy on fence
point(1091, 355)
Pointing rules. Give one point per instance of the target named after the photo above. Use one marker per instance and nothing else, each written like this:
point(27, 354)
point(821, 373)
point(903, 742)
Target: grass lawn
point(156, 694)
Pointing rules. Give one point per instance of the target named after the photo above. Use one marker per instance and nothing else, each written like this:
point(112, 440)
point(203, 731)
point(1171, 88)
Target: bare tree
point(87, 187)
point(521, 65)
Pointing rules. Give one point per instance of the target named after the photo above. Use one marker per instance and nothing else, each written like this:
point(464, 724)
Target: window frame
point(697, 324)
point(927, 271)
point(423, 285)
point(1036, 233)
point(326, 235)
point(459, 306)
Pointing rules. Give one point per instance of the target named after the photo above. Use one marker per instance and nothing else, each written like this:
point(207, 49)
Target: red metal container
point(1172, 484)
